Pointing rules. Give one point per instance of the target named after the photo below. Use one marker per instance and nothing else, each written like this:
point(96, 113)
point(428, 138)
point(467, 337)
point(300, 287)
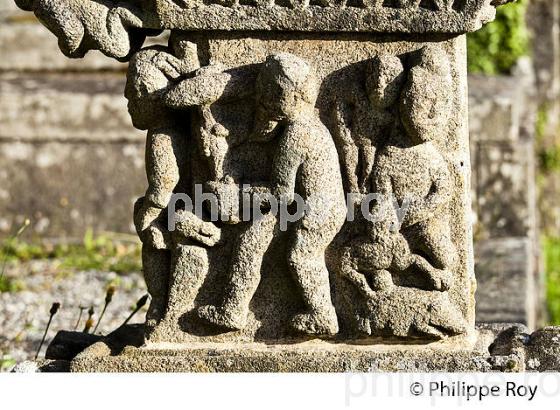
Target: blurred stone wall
point(544, 24)
point(507, 250)
point(70, 159)
point(513, 120)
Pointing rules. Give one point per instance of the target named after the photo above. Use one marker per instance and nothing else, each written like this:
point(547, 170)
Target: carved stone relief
point(301, 184)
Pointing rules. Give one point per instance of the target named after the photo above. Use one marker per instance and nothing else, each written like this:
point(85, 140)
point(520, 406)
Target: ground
point(28, 288)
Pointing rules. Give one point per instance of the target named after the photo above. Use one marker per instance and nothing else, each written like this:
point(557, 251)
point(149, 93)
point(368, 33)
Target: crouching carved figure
point(403, 267)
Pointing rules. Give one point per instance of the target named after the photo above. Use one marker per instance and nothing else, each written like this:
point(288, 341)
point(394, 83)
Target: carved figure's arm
point(208, 85)
point(190, 226)
point(423, 209)
point(286, 164)
point(349, 150)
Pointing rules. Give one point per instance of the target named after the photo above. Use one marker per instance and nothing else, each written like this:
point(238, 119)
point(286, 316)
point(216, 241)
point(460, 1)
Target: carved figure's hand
point(168, 65)
point(156, 237)
point(190, 226)
point(228, 197)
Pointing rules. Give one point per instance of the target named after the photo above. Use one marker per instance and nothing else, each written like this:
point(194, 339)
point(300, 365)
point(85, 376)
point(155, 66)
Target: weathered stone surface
point(543, 350)
point(311, 356)
point(292, 118)
point(87, 108)
point(60, 189)
point(507, 288)
point(269, 315)
point(407, 16)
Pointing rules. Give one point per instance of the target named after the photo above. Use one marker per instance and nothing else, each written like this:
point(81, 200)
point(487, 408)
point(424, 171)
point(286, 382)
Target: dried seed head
point(142, 301)
point(23, 227)
point(54, 308)
point(89, 325)
point(109, 294)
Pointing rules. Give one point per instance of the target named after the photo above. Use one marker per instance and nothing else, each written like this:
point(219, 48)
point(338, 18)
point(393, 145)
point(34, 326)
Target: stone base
point(495, 347)
point(453, 355)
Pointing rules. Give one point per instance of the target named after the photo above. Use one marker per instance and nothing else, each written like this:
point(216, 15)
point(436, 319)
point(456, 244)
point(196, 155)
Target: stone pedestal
point(308, 174)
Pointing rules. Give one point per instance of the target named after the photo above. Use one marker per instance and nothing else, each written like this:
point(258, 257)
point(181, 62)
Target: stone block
point(20, 51)
point(66, 188)
point(507, 283)
point(501, 122)
point(62, 107)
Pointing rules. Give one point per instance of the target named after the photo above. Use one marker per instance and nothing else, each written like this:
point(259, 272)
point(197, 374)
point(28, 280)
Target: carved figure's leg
point(349, 152)
point(435, 238)
point(245, 275)
point(440, 279)
point(306, 260)
point(356, 264)
point(156, 266)
point(164, 156)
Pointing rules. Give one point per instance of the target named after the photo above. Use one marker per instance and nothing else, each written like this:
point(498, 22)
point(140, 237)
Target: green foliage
point(548, 152)
point(95, 252)
point(552, 259)
point(10, 285)
point(6, 363)
point(496, 47)
point(549, 159)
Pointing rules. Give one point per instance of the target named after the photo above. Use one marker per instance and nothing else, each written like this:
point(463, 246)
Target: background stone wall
point(70, 157)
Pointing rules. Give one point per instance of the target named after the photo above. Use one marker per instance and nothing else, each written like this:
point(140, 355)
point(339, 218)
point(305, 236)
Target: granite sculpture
point(307, 165)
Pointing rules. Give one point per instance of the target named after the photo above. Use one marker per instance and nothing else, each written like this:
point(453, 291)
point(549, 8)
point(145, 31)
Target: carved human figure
point(411, 169)
point(305, 164)
point(152, 73)
point(370, 120)
point(369, 262)
point(83, 25)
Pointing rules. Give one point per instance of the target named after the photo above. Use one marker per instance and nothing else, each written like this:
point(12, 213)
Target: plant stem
point(21, 229)
point(79, 318)
point(139, 305)
point(44, 337)
point(100, 317)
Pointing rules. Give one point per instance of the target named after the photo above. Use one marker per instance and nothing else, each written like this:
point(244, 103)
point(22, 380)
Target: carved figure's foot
point(217, 316)
point(316, 323)
point(441, 279)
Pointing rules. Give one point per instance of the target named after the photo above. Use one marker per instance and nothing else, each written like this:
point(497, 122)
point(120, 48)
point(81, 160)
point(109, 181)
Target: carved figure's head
point(425, 100)
point(286, 87)
point(145, 87)
point(385, 77)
